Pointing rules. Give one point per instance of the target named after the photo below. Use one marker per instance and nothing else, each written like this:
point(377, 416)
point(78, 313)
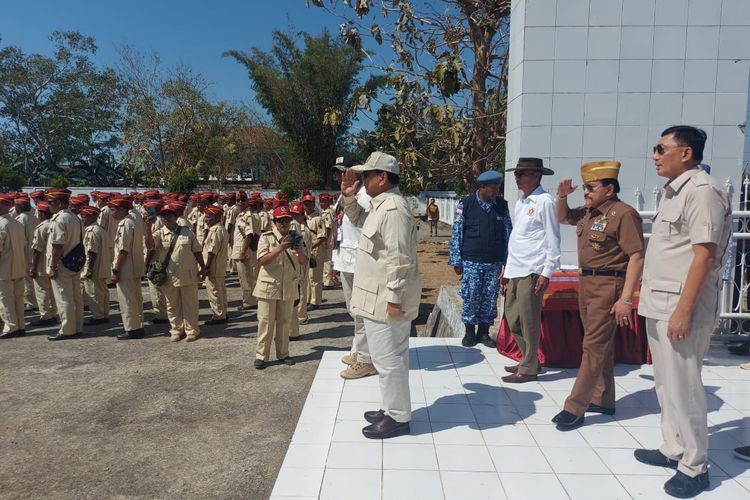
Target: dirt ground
point(99, 418)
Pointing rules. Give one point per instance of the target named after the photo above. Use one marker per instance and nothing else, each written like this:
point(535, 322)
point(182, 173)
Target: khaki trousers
point(28, 294)
point(45, 299)
point(158, 301)
point(69, 299)
point(11, 305)
point(315, 290)
point(130, 297)
point(274, 323)
point(389, 348)
point(523, 311)
point(329, 275)
point(359, 344)
point(217, 295)
point(96, 296)
point(679, 389)
point(595, 382)
point(304, 292)
point(182, 309)
point(247, 281)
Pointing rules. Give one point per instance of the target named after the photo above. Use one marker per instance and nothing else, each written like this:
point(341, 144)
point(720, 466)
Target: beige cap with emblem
point(600, 170)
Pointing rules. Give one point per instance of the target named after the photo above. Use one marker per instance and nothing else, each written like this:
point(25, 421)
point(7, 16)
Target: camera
point(296, 238)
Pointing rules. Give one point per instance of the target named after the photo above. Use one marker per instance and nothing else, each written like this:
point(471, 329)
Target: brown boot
point(359, 370)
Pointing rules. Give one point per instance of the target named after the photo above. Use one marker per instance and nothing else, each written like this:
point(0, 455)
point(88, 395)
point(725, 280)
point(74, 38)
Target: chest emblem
point(599, 224)
point(530, 212)
point(596, 246)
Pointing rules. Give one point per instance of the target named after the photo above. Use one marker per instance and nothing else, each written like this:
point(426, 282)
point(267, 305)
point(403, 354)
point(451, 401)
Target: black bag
point(157, 271)
point(313, 263)
point(76, 258)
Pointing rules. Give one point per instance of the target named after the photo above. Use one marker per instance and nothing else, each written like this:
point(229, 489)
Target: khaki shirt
point(266, 221)
point(217, 243)
point(12, 249)
point(39, 243)
point(607, 235)
point(695, 210)
point(278, 280)
point(129, 238)
point(95, 241)
point(200, 228)
point(387, 269)
point(307, 241)
point(29, 222)
point(108, 224)
point(182, 268)
point(66, 229)
point(246, 224)
point(317, 224)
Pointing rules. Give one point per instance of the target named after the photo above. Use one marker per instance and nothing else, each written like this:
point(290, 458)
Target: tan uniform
point(277, 289)
point(158, 300)
point(29, 221)
point(316, 223)
point(386, 271)
point(300, 314)
point(217, 243)
point(329, 275)
point(96, 294)
point(67, 230)
point(266, 221)
point(129, 294)
point(109, 225)
point(12, 273)
point(246, 226)
point(695, 210)
point(200, 228)
point(181, 288)
point(607, 237)
point(230, 221)
point(42, 285)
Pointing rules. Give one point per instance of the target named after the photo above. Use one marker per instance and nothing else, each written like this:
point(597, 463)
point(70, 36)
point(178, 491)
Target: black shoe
point(742, 349)
point(654, 457)
point(293, 339)
point(132, 334)
point(386, 428)
point(215, 321)
point(44, 322)
point(567, 421)
point(259, 364)
point(683, 486)
point(10, 335)
point(60, 336)
point(159, 321)
point(312, 307)
point(289, 361)
point(743, 453)
point(374, 416)
point(483, 336)
point(96, 321)
point(470, 338)
point(600, 409)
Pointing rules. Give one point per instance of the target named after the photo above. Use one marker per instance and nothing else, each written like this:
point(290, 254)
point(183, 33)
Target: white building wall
point(600, 79)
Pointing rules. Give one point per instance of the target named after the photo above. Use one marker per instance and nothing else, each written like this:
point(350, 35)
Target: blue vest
point(484, 233)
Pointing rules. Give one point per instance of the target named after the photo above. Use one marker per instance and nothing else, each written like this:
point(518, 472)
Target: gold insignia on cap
point(600, 170)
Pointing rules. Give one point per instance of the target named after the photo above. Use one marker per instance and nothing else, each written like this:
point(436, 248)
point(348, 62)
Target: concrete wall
point(600, 79)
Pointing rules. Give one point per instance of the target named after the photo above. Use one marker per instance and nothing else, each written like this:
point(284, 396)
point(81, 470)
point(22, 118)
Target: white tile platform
point(474, 437)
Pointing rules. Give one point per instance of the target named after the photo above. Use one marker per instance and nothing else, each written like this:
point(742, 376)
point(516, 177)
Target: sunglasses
point(660, 149)
point(285, 220)
point(524, 174)
point(590, 187)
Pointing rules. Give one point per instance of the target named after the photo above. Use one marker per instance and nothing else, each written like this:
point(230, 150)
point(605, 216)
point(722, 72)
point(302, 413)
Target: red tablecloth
point(562, 331)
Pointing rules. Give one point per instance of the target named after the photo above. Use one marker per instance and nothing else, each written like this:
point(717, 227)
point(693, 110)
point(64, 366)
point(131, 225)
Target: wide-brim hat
point(531, 165)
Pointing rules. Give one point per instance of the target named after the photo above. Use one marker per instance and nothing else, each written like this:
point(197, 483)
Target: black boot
point(470, 338)
point(484, 336)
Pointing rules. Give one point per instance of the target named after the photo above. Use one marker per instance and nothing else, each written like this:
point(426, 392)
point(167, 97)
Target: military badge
point(530, 212)
point(599, 224)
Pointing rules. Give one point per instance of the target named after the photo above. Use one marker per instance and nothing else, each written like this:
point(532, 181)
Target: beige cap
point(379, 161)
point(600, 170)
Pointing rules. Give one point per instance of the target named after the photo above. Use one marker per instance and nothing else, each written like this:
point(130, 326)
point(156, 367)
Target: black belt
point(601, 272)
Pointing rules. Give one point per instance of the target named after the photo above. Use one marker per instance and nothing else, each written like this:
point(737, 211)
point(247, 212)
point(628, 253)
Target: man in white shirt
point(346, 242)
point(533, 254)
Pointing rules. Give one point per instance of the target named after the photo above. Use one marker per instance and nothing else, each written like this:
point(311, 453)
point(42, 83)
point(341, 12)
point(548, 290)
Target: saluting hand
point(565, 188)
point(349, 182)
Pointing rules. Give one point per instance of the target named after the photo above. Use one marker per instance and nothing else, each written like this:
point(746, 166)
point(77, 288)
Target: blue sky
point(193, 32)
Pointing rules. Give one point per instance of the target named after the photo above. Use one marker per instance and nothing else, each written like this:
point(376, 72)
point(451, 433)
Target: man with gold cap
point(66, 232)
point(38, 268)
point(610, 260)
point(128, 268)
point(98, 266)
point(12, 270)
point(184, 265)
point(29, 221)
point(215, 250)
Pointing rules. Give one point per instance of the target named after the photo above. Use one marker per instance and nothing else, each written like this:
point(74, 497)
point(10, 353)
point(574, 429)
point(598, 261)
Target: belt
point(601, 272)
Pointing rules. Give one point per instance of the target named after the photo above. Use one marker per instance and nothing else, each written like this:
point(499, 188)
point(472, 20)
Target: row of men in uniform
point(123, 234)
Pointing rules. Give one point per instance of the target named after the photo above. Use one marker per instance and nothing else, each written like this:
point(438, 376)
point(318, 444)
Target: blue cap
point(490, 177)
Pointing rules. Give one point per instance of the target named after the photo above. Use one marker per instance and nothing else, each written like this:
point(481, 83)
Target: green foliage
point(290, 188)
point(183, 182)
point(59, 181)
point(10, 179)
point(308, 92)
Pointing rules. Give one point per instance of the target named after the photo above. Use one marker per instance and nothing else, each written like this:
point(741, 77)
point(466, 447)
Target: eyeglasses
point(522, 173)
point(590, 187)
point(660, 149)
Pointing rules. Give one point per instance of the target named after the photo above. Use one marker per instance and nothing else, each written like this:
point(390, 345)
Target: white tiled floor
point(474, 437)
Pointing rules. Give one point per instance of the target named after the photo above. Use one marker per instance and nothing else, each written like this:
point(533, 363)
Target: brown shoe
point(350, 359)
point(175, 338)
point(517, 378)
point(191, 338)
point(514, 369)
point(359, 370)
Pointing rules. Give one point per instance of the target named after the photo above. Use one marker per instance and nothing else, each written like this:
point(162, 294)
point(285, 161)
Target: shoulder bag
point(76, 258)
point(157, 271)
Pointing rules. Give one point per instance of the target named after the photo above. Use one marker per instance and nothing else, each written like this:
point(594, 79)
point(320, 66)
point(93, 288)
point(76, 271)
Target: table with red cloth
point(561, 341)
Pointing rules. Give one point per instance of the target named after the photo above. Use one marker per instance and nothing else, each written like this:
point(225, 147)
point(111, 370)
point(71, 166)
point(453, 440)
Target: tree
point(447, 75)
point(57, 111)
point(307, 92)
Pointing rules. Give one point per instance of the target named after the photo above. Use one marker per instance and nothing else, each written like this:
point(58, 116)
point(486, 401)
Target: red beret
point(151, 193)
point(168, 210)
point(121, 203)
point(178, 205)
point(89, 210)
point(7, 199)
point(57, 194)
point(297, 208)
point(281, 212)
point(37, 195)
point(213, 210)
point(77, 202)
point(308, 197)
point(153, 204)
point(22, 201)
